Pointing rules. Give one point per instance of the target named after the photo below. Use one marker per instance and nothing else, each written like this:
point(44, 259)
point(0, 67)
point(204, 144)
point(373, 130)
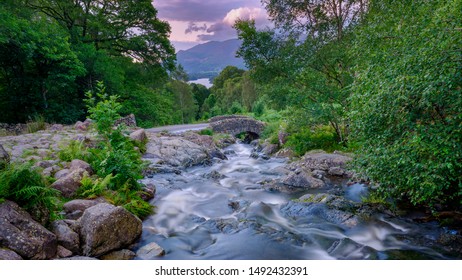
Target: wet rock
point(20, 233)
point(63, 252)
point(139, 136)
point(277, 171)
point(175, 151)
point(336, 171)
point(159, 168)
point(67, 237)
point(69, 184)
point(227, 226)
point(6, 254)
point(303, 180)
point(150, 251)
point(122, 255)
point(147, 192)
point(77, 164)
point(347, 249)
point(452, 242)
point(105, 227)
point(269, 149)
point(330, 208)
point(215, 175)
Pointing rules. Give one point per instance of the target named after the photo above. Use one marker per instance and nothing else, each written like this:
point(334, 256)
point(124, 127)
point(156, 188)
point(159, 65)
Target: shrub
point(307, 139)
point(206, 131)
point(29, 189)
point(38, 123)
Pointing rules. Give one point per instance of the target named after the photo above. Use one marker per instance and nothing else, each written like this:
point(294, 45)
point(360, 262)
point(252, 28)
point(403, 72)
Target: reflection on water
point(199, 217)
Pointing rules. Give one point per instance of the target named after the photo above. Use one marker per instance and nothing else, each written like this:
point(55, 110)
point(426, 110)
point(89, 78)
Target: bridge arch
point(235, 125)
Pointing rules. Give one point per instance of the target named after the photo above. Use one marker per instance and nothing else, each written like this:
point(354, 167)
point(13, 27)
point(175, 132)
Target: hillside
point(207, 60)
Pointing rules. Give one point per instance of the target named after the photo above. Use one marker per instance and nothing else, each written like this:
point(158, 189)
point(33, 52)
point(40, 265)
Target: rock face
point(21, 234)
point(105, 227)
point(4, 157)
point(175, 151)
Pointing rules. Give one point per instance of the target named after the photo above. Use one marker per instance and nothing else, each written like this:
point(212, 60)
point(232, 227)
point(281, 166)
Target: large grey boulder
point(139, 136)
point(121, 255)
point(105, 228)
point(69, 184)
point(4, 158)
point(6, 254)
point(80, 164)
point(20, 233)
point(302, 179)
point(67, 237)
point(334, 164)
point(175, 151)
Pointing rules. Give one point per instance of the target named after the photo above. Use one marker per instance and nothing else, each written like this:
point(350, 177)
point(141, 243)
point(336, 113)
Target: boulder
point(334, 164)
point(4, 158)
point(69, 184)
point(62, 173)
point(121, 255)
point(150, 251)
point(20, 233)
point(175, 151)
point(302, 179)
point(139, 136)
point(147, 192)
point(6, 254)
point(83, 126)
point(105, 228)
point(80, 164)
point(79, 205)
point(63, 252)
point(67, 238)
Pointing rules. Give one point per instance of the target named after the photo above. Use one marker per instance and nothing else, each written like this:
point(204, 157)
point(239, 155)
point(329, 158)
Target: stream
point(223, 212)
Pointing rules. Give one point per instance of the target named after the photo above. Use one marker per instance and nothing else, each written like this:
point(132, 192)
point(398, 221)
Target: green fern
point(93, 188)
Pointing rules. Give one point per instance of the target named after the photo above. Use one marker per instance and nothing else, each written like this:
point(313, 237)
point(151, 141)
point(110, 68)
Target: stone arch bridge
point(236, 124)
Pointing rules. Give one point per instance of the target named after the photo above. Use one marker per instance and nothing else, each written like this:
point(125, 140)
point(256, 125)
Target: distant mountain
point(207, 60)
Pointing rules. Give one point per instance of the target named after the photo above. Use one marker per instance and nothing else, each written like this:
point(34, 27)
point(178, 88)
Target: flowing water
point(200, 215)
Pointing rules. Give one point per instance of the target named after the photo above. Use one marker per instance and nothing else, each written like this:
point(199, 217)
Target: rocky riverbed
point(213, 199)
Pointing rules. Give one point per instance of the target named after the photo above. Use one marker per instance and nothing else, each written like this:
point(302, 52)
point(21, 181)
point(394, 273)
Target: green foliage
point(207, 131)
point(308, 139)
point(75, 150)
point(236, 108)
point(36, 125)
point(93, 188)
point(407, 98)
point(105, 112)
point(258, 108)
point(27, 187)
point(131, 201)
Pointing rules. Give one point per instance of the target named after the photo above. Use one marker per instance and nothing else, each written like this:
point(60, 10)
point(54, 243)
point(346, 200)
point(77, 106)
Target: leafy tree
point(407, 100)
point(39, 69)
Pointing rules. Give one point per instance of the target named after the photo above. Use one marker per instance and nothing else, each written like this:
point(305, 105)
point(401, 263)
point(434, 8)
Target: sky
point(198, 21)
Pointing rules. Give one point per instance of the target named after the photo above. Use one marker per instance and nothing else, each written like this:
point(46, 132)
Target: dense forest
point(382, 79)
